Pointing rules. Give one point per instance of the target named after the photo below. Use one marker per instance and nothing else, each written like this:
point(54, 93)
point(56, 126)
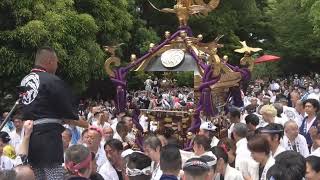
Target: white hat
point(208, 126)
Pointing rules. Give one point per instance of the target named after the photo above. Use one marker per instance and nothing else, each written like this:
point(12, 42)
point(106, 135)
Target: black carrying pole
point(4, 122)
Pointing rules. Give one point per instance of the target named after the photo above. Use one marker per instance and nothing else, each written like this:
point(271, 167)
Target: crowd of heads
point(161, 97)
point(273, 118)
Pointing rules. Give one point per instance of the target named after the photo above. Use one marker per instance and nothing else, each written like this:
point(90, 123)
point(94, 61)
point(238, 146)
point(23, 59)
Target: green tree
point(269, 70)
point(295, 32)
point(184, 78)
point(112, 17)
point(28, 25)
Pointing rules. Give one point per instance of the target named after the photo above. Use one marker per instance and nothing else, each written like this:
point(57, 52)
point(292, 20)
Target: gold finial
point(112, 49)
point(185, 8)
point(133, 57)
point(167, 34)
point(247, 60)
point(246, 49)
point(183, 34)
point(112, 60)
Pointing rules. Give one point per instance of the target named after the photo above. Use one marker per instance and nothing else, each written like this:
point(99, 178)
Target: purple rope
point(205, 102)
point(198, 61)
point(236, 92)
point(187, 29)
point(126, 69)
point(121, 72)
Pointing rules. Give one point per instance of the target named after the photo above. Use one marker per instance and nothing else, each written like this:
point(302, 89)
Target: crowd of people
point(157, 96)
point(275, 136)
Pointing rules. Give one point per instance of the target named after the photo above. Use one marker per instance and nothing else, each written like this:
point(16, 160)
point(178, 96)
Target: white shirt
point(289, 112)
point(300, 142)
point(131, 137)
point(90, 116)
point(6, 129)
point(96, 124)
point(315, 96)
point(108, 172)
point(117, 136)
point(143, 122)
point(273, 99)
point(292, 114)
point(101, 157)
point(246, 101)
point(230, 174)
point(214, 141)
point(268, 165)
point(274, 86)
point(279, 120)
point(230, 130)
point(186, 155)
point(316, 152)
point(5, 163)
point(114, 125)
point(298, 118)
point(16, 139)
point(153, 127)
point(279, 150)
point(243, 157)
point(156, 171)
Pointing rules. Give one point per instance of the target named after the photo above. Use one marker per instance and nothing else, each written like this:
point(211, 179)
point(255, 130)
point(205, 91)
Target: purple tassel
point(121, 99)
point(139, 142)
point(236, 96)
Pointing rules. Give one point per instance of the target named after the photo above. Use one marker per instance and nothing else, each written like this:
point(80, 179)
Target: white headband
point(212, 163)
point(138, 172)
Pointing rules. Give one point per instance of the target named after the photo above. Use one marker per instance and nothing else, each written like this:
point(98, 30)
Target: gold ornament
point(185, 8)
point(167, 34)
point(133, 57)
point(112, 59)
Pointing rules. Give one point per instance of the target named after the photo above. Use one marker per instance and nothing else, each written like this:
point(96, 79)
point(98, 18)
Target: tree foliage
point(295, 25)
point(48, 23)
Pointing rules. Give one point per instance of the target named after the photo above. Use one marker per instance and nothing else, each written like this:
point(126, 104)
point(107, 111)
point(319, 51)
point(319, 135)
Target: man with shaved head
point(24, 173)
point(292, 140)
point(48, 102)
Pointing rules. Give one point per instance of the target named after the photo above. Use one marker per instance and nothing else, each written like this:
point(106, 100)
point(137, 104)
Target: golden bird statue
point(185, 8)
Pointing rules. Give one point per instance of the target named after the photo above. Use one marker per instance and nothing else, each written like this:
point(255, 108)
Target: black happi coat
point(47, 96)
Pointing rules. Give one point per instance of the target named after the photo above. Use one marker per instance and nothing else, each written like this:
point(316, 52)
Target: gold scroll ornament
point(112, 59)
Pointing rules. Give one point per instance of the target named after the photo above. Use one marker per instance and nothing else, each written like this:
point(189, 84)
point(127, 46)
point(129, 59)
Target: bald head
point(291, 129)
point(47, 58)
point(290, 123)
point(24, 173)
